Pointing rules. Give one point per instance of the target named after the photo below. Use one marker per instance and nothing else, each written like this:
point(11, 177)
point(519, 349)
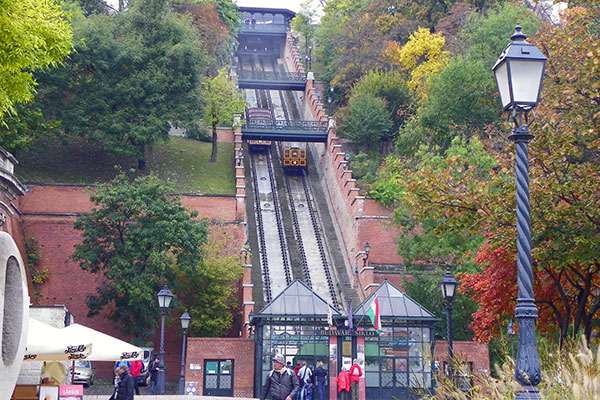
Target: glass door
point(218, 378)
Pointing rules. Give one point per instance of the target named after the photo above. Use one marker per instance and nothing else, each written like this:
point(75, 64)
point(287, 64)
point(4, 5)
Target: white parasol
point(46, 343)
point(104, 347)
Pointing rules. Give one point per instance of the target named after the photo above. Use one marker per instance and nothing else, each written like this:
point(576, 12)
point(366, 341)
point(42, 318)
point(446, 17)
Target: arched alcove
point(13, 311)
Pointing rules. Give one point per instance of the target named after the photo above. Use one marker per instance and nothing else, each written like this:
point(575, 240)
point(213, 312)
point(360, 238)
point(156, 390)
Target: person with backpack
point(304, 376)
point(281, 382)
point(355, 374)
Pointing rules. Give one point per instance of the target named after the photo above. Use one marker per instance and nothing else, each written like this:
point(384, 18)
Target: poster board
point(48, 392)
point(191, 389)
point(70, 392)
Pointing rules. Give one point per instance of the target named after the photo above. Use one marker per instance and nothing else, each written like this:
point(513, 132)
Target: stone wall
point(241, 351)
point(48, 214)
point(473, 353)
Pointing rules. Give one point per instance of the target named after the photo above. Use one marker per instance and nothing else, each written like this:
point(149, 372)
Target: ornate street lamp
point(519, 73)
point(164, 300)
point(448, 286)
point(240, 156)
point(185, 324)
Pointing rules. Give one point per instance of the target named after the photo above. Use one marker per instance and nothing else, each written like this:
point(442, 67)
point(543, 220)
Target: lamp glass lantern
point(367, 248)
point(164, 298)
point(185, 320)
point(448, 285)
point(519, 72)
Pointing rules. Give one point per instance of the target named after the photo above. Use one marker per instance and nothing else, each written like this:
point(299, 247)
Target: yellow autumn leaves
point(422, 57)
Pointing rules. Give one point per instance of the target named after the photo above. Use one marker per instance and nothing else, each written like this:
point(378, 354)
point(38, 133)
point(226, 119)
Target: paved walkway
point(168, 397)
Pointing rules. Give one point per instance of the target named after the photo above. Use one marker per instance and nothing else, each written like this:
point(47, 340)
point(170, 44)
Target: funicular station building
point(304, 328)
point(307, 321)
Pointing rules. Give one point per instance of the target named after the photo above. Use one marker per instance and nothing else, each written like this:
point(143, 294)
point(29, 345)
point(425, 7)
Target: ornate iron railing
point(271, 76)
point(268, 28)
point(281, 124)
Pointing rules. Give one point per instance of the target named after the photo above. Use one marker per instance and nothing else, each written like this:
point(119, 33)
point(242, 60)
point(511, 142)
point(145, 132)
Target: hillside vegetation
point(186, 162)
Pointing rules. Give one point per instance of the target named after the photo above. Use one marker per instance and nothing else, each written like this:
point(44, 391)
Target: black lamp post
point(185, 324)
point(448, 286)
point(240, 156)
point(164, 300)
point(367, 251)
point(330, 100)
point(309, 57)
point(519, 73)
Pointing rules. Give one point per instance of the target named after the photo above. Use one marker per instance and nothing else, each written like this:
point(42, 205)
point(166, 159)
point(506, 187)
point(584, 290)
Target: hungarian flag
point(373, 312)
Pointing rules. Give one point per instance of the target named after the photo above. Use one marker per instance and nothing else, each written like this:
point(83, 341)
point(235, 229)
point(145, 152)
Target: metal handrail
point(278, 28)
point(280, 124)
point(272, 75)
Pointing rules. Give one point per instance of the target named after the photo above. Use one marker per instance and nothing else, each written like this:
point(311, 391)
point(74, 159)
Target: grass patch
point(185, 162)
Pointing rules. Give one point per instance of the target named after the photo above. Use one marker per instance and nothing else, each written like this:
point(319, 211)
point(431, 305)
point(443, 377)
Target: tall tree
point(35, 34)
point(366, 120)
point(132, 74)
point(223, 99)
point(138, 237)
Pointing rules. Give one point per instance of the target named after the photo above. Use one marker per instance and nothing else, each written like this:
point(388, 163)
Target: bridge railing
point(263, 28)
point(271, 76)
point(282, 124)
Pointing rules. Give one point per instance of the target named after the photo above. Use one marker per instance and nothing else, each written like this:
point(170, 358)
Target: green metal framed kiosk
point(302, 326)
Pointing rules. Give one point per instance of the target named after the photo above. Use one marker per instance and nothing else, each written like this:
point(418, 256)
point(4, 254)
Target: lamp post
point(185, 324)
point(367, 251)
point(448, 286)
point(164, 300)
point(330, 100)
point(309, 57)
point(240, 156)
point(519, 73)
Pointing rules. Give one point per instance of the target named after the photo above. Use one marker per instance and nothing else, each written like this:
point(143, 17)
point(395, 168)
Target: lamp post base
point(528, 393)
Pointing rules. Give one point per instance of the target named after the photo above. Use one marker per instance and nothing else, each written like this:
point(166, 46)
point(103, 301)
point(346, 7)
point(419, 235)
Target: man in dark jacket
point(154, 368)
point(281, 383)
point(125, 389)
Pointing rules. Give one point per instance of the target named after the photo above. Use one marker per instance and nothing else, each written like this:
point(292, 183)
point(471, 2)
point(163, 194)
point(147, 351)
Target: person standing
point(281, 382)
point(135, 371)
point(343, 383)
point(125, 389)
point(304, 376)
point(154, 367)
point(355, 374)
point(321, 379)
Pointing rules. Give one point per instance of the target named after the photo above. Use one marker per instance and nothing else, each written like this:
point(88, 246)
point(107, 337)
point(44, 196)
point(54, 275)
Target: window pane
point(211, 367)
point(372, 379)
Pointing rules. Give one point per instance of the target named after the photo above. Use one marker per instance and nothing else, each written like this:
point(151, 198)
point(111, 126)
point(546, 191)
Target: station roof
point(263, 10)
point(394, 304)
point(297, 300)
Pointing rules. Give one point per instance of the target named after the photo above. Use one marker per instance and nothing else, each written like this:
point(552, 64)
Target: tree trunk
point(213, 155)
point(142, 159)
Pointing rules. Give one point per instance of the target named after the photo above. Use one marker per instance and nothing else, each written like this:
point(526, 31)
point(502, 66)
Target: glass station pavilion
point(396, 363)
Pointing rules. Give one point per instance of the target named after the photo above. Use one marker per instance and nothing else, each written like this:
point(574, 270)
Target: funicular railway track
point(273, 245)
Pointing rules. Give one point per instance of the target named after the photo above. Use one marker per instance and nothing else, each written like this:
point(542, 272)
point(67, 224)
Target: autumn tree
point(137, 237)
point(212, 308)
point(390, 86)
point(564, 187)
point(222, 100)
point(35, 34)
point(422, 56)
point(215, 35)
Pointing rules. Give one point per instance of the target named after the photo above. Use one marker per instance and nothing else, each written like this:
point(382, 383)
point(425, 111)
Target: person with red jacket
point(343, 383)
point(135, 371)
point(355, 374)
